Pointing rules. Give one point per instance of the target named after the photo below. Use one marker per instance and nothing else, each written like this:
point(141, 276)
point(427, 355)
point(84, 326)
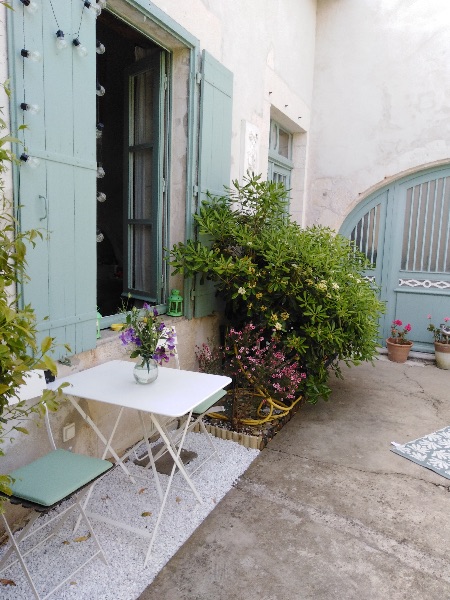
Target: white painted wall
point(380, 103)
point(269, 47)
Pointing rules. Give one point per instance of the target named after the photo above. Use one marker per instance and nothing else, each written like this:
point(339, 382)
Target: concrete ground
point(327, 511)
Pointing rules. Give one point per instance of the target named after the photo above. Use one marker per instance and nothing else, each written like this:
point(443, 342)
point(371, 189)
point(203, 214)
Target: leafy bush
point(305, 286)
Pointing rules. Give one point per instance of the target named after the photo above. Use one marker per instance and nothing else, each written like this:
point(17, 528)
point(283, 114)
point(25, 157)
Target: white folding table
point(174, 394)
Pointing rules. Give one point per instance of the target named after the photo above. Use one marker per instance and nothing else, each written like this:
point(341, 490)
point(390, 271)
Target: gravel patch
point(125, 577)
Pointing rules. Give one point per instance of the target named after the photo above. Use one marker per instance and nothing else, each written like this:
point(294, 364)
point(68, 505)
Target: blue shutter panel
point(59, 196)
point(215, 152)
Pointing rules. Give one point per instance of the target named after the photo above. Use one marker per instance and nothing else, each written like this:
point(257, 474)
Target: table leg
point(107, 442)
point(150, 456)
point(175, 453)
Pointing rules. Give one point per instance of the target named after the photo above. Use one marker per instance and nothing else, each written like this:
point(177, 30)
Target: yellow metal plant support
point(267, 400)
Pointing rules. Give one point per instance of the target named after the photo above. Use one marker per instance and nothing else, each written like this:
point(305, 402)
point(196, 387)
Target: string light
point(99, 131)
point(95, 7)
point(100, 91)
point(31, 161)
point(100, 171)
point(61, 42)
point(33, 55)
point(101, 197)
point(81, 50)
point(33, 109)
point(99, 48)
point(30, 5)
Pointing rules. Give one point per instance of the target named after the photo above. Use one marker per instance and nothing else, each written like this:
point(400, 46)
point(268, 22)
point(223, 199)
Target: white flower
point(241, 290)
point(277, 325)
point(335, 286)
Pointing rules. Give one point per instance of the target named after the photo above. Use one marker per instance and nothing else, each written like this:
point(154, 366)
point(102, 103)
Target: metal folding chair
point(44, 484)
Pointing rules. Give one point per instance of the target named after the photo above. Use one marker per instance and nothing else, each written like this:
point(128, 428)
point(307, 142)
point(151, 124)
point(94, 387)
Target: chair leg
point(91, 530)
point(16, 540)
point(15, 546)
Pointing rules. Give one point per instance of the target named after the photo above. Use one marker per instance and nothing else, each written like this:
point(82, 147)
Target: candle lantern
point(175, 304)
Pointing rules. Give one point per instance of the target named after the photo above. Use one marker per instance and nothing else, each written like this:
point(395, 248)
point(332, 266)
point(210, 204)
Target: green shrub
point(303, 285)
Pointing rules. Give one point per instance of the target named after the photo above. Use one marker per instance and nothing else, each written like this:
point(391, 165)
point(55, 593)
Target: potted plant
point(398, 346)
point(441, 336)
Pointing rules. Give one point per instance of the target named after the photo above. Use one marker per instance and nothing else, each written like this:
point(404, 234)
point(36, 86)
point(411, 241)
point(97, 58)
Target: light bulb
point(81, 50)
point(33, 109)
point(96, 8)
point(99, 130)
point(33, 55)
point(31, 161)
point(100, 48)
point(101, 196)
point(100, 237)
point(30, 5)
point(100, 172)
point(100, 91)
point(61, 42)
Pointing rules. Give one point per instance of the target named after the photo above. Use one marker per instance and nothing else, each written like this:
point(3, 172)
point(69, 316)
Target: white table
point(175, 393)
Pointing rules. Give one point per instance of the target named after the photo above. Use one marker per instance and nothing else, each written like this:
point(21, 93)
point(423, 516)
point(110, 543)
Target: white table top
point(173, 394)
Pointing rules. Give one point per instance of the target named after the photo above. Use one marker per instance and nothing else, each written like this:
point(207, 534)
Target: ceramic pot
point(146, 370)
point(442, 355)
point(398, 352)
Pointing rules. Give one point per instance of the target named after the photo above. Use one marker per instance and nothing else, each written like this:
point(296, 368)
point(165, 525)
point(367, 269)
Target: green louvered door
point(404, 229)
point(215, 152)
point(419, 277)
point(57, 197)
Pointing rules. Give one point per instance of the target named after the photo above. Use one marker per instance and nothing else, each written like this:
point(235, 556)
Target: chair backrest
point(35, 383)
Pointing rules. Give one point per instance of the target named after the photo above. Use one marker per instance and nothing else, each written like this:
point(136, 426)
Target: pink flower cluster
point(263, 363)
point(400, 335)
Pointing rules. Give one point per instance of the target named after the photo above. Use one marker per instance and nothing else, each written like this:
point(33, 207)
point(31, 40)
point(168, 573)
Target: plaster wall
point(269, 46)
point(380, 101)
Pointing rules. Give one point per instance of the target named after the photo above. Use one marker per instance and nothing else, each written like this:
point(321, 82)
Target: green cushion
point(203, 406)
point(53, 477)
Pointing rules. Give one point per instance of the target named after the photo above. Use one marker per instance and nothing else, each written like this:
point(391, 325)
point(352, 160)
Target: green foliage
point(19, 349)
point(303, 285)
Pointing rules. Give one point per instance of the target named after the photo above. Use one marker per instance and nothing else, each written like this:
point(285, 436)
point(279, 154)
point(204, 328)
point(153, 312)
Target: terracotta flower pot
point(398, 352)
point(442, 355)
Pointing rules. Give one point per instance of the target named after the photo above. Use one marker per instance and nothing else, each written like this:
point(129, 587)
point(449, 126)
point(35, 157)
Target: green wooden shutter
point(215, 153)
point(59, 196)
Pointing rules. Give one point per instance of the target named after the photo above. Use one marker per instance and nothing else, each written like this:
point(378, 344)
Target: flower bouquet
point(150, 339)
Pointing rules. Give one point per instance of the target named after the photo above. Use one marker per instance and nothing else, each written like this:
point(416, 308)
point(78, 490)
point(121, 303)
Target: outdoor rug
point(431, 451)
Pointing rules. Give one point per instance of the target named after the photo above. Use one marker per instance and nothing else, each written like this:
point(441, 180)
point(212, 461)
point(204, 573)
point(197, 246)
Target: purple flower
point(146, 306)
point(127, 336)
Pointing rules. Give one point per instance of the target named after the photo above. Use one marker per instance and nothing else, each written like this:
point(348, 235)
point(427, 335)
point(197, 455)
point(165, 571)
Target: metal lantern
point(175, 304)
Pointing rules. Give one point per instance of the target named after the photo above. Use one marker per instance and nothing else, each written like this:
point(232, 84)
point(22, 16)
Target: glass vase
point(146, 370)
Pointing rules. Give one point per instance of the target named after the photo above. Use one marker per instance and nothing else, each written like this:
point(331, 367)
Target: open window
point(131, 141)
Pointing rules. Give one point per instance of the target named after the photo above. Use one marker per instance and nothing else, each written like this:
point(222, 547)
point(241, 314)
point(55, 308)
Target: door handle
point(45, 207)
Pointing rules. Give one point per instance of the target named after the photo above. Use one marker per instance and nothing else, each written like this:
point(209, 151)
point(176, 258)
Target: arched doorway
point(404, 229)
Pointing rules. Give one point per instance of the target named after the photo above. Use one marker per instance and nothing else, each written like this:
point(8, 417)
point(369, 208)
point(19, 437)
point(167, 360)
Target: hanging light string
point(54, 14)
